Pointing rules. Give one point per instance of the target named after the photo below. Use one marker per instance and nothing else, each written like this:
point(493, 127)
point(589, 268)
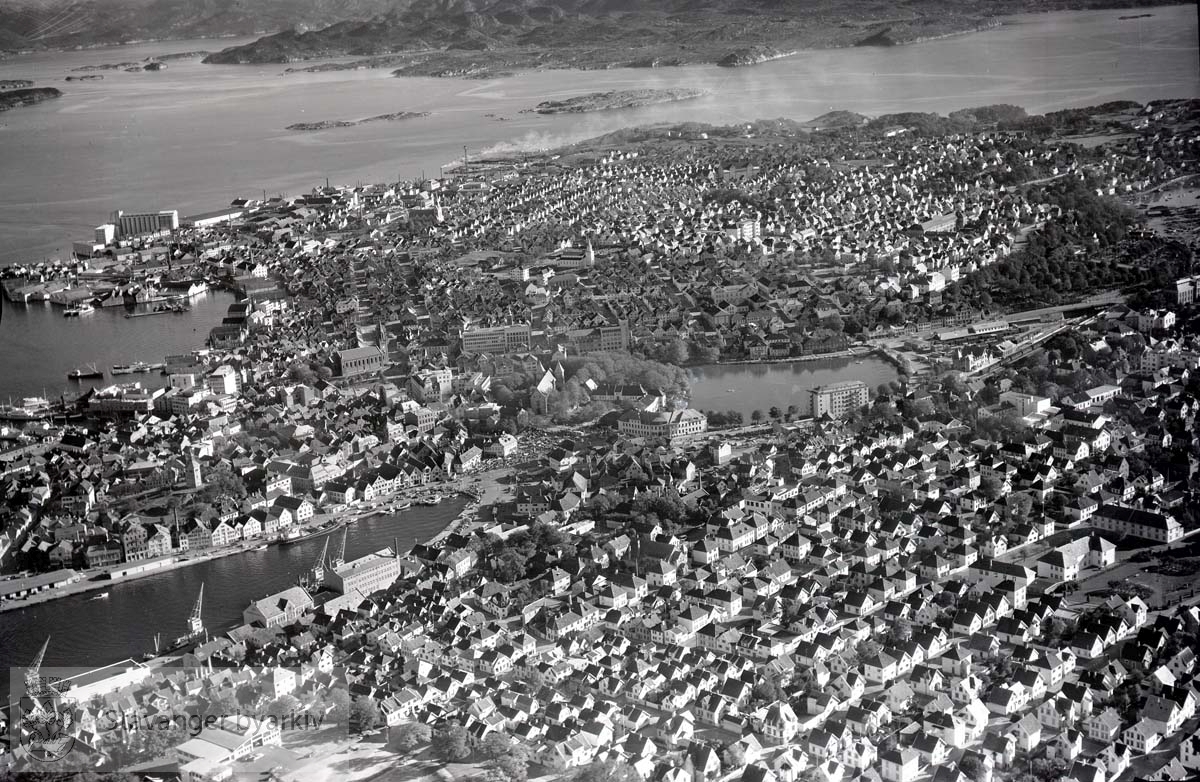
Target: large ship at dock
point(290, 535)
point(328, 526)
point(32, 408)
point(139, 367)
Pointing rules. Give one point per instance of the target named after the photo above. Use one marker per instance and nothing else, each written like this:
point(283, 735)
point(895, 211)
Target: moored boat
point(81, 373)
point(328, 526)
point(32, 408)
point(83, 308)
point(129, 369)
point(288, 535)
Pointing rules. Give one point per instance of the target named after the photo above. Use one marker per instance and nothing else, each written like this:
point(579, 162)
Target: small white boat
point(80, 309)
point(100, 596)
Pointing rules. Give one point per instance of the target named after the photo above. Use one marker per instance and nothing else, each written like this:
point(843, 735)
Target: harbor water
point(39, 346)
point(88, 631)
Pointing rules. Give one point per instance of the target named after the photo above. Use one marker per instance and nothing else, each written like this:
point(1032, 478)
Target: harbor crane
point(316, 575)
point(196, 620)
point(339, 554)
point(33, 674)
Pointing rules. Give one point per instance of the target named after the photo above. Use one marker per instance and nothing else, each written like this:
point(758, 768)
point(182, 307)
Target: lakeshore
point(746, 386)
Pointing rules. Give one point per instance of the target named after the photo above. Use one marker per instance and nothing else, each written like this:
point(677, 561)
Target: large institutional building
point(669, 425)
point(603, 334)
point(514, 338)
point(358, 361)
point(127, 225)
point(279, 609)
point(1185, 289)
point(366, 574)
point(1137, 523)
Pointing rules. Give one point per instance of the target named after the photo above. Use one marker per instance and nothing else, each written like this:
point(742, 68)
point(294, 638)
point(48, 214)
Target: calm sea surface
point(91, 632)
point(195, 136)
point(749, 387)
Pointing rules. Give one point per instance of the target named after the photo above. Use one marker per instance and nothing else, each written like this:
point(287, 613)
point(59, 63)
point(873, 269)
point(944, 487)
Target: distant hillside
point(464, 38)
point(32, 24)
point(583, 33)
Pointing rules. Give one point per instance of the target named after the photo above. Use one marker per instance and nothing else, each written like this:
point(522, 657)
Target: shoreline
point(359, 63)
point(992, 23)
point(488, 492)
point(94, 582)
point(91, 583)
point(847, 353)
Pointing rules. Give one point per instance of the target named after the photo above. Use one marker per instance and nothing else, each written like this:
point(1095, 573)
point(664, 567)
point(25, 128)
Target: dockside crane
point(316, 575)
point(339, 554)
point(196, 620)
point(33, 674)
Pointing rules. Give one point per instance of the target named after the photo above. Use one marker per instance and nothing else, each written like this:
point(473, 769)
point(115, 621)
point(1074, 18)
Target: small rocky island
point(617, 99)
point(155, 62)
point(752, 55)
point(28, 97)
point(342, 123)
point(110, 66)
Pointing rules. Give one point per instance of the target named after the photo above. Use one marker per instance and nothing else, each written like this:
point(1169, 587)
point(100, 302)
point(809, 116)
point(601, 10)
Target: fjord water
point(195, 136)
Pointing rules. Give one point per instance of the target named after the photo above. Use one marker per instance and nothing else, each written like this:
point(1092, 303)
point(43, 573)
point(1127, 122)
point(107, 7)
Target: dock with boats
point(31, 408)
point(174, 308)
point(139, 367)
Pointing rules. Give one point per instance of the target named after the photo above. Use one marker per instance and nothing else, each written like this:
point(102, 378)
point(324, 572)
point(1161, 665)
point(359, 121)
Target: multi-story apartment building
point(837, 399)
